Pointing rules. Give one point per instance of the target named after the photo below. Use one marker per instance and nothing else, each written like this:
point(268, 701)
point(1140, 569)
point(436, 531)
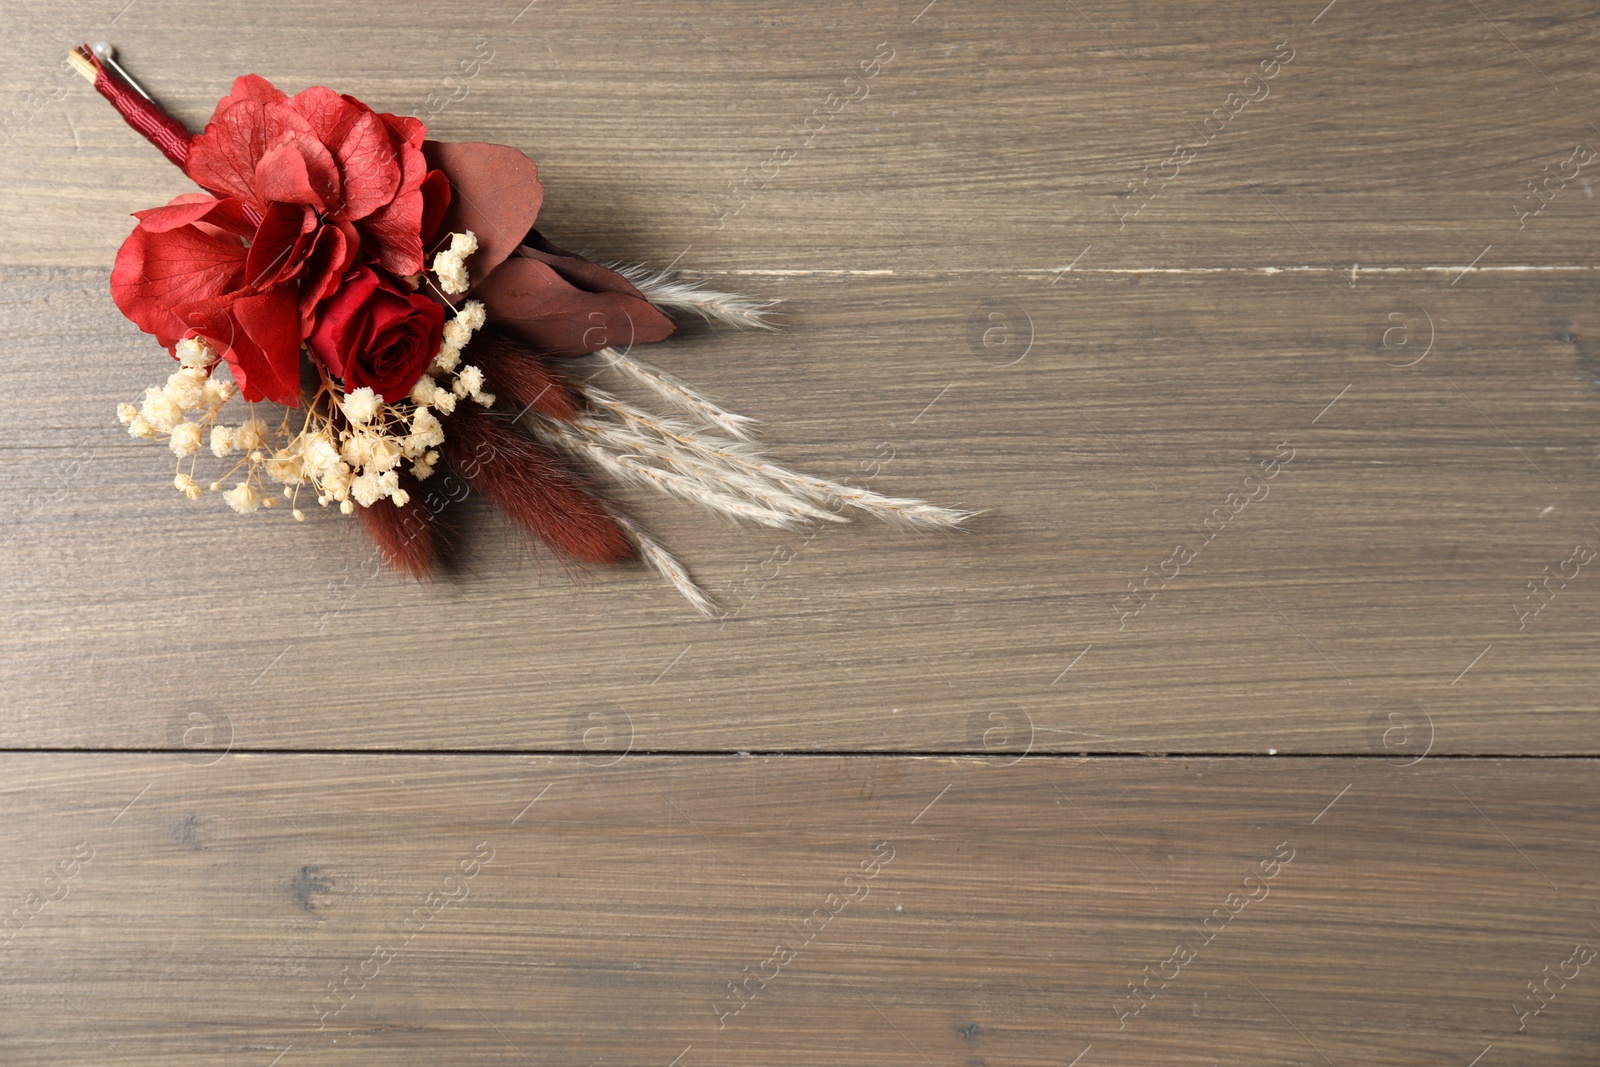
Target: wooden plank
point(1420, 481)
point(531, 853)
point(990, 136)
point(496, 909)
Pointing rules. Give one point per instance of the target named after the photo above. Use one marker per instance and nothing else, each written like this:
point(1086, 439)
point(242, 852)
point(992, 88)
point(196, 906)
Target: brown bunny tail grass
point(404, 534)
point(531, 485)
point(516, 373)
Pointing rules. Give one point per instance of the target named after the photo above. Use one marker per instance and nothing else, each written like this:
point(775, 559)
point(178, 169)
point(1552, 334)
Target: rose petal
point(494, 192)
point(334, 319)
point(373, 333)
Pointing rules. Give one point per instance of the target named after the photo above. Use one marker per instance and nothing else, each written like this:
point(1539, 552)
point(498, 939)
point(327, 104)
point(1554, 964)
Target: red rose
point(371, 332)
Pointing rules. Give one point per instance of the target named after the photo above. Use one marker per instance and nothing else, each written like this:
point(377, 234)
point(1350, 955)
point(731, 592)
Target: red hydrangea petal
point(394, 233)
point(400, 231)
point(252, 369)
point(255, 88)
point(286, 126)
point(223, 159)
point(282, 176)
point(192, 207)
point(405, 129)
point(156, 271)
point(369, 168)
point(272, 325)
point(213, 320)
point(495, 193)
point(330, 257)
point(327, 112)
point(360, 145)
point(435, 192)
point(280, 244)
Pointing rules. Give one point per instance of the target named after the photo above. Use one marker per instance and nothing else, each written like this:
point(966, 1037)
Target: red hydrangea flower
point(303, 184)
point(329, 153)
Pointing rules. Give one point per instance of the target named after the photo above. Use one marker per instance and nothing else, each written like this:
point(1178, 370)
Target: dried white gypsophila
point(350, 445)
point(450, 265)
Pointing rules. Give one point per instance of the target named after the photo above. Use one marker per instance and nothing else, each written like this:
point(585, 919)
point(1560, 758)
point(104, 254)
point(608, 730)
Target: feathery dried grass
point(664, 563)
point(744, 470)
point(709, 461)
point(628, 456)
point(729, 477)
point(679, 393)
point(667, 290)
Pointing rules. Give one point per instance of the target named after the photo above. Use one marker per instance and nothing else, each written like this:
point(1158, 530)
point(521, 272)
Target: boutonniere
point(415, 335)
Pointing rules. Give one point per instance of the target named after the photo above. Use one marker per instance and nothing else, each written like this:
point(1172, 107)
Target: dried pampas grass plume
point(694, 450)
point(668, 291)
point(667, 565)
point(727, 477)
point(678, 393)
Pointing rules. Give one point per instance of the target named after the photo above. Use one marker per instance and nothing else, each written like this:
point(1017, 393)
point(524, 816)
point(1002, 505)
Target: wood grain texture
point(997, 137)
point(999, 910)
point(1391, 545)
point(1101, 415)
point(1286, 442)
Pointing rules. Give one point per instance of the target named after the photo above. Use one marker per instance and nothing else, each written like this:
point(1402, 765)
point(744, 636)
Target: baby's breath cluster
point(355, 457)
point(451, 264)
point(185, 408)
point(351, 446)
point(463, 380)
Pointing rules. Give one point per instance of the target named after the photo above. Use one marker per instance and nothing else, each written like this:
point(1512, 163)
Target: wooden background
point(267, 770)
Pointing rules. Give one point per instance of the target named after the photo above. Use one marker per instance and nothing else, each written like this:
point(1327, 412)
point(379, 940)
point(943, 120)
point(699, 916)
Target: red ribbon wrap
point(159, 128)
